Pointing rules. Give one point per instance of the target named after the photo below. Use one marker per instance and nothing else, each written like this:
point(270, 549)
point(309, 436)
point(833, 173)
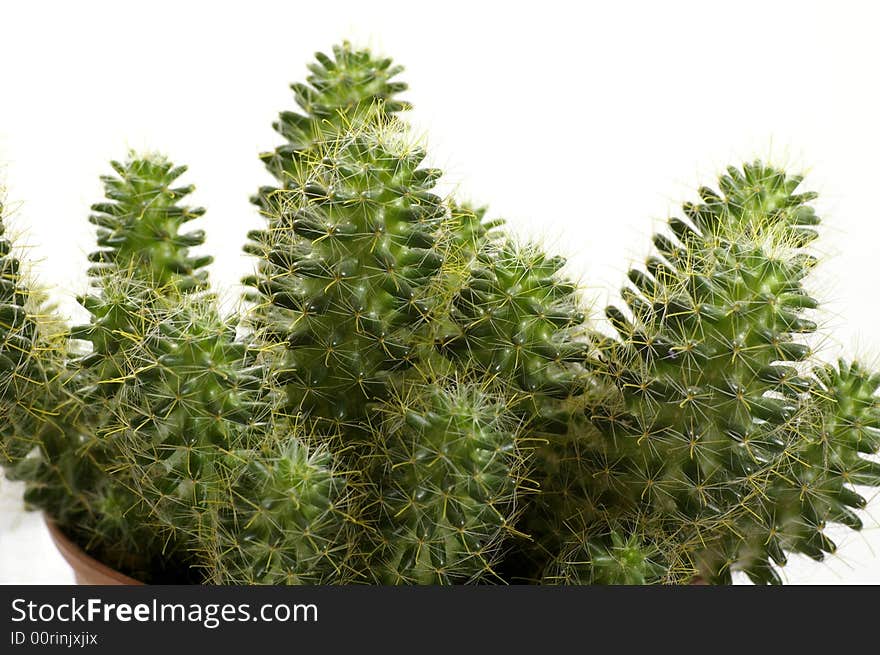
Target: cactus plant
point(412, 396)
point(281, 521)
point(43, 445)
point(346, 265)
point(356, 269)
point(339, 89)
point(446, 473)
point(708, 427)
point(24, 375)
point(188, 400)
point(351, 89)
point(511, 315)
point(159, 357)
point(516, 318)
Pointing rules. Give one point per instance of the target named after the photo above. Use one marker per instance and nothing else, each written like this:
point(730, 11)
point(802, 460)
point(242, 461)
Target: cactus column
point(185, 415)
point(346, 268)
point(445, 473)
point(710, 402)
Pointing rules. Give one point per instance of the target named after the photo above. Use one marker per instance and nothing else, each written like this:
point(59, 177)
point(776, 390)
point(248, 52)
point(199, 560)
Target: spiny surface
point(26, 376)
point(141, 257)
point(345, 269)
point(138, 227)
point(445, 474)
point(43, 436)
point(704, 389)
point(174, 388)
point(339, 89)
point(838, 429)
point(515, 318)
point(284, 522)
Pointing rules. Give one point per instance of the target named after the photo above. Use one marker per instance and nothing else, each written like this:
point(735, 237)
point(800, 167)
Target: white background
point(584, 124)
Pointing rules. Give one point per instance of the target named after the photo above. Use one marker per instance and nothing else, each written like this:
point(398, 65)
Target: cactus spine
point(837, 428)
point(23, 378)
point(282, 523)
point(356, 267)
point(34, 446)
point(148, 335)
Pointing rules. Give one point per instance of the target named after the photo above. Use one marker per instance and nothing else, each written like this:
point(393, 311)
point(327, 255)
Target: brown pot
point(86, 569)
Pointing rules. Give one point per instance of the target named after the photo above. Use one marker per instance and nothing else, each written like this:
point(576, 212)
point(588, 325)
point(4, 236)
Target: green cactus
point(840, 424)
point(284, 522)
point(339, 94)
point(342, 93)
point(42, 440)
point(140, 271)
point(610, 558)
point(514, 318)
point(338, 91)
point(703, 367)
point(355, 267)
point(196, 436)
point(706, 414)
point(141, 258)
point(171, 384)
point(411, 397)
point(27, 372)
point(34, 446)
point(446, 474)
point(346, 141)
point(138, 226)
point(346, 268)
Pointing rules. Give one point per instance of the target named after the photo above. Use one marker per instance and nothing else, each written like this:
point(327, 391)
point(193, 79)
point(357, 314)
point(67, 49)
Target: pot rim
point(80, 560)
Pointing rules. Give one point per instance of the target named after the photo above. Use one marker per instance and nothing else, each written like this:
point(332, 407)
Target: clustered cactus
point(411, 395)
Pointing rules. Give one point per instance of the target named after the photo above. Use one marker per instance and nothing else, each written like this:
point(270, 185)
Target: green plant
point(514, 318)
point(339, 90)
point(349, 259)
point(446, 468)
point(409, 395)
point(716, 449)
point(24, 377)
point(186, 426)
point(357, 265)
point(216, 457)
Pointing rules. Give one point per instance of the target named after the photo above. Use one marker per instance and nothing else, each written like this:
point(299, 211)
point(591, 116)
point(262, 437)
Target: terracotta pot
point(86, 569)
